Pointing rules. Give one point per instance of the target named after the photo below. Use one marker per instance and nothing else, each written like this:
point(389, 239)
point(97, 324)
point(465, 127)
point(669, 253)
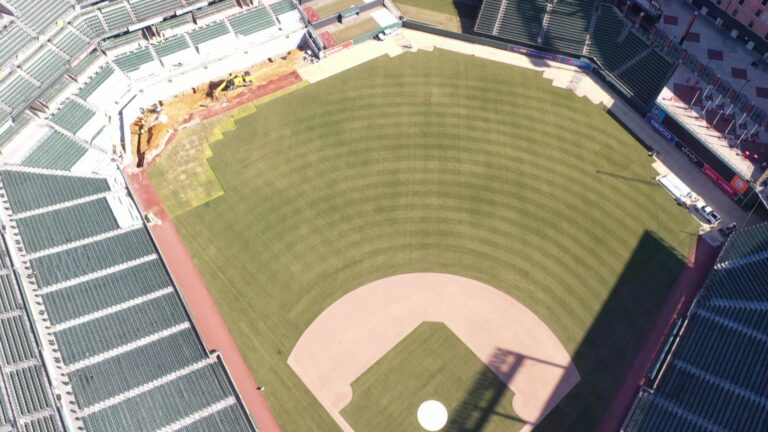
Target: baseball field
point(429, 162)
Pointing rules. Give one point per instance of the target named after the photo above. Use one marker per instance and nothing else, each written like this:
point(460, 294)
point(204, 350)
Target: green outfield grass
point(353, 30)
point(447, 7)
point(454, 15)
point(435, 162)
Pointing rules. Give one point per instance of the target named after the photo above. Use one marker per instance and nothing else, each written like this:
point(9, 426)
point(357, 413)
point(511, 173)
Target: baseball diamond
point(383, 215)
point(433, 162)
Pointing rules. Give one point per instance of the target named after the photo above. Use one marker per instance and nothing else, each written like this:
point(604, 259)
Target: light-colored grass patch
point(187, 179)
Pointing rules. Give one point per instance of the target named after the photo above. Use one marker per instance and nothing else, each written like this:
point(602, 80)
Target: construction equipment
point(234, 81)
point(146, 130)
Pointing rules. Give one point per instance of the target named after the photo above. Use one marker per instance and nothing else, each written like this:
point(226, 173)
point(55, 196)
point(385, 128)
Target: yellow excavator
point(232, 82)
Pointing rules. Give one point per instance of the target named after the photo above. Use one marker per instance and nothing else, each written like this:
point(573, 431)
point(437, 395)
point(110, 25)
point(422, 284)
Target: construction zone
point(158, 121)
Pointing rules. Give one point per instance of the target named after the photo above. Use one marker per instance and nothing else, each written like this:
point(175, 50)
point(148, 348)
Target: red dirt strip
point(312, 16)
point(190, 283)
point(249, 95)
point(198, 300)
point(677, 304)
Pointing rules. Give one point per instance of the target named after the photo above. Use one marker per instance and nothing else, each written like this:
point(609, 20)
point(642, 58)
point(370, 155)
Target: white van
point(386, 34)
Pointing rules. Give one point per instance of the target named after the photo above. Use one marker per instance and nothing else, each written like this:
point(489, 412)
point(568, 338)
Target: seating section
point(151, 411)
point(646, 77)
point(16, 91)
point(282, 6)
point(29, 388)
point(72, 116)
point(56, 151)
point(711, 381)
point(175, 23)
point(5, 415)
point(119, 374)
point(231, 417)
point(9, 300)
point(54, 90)
point(106, 291)
point(96, 81)
point(92, 257)
point(7, 135)
point(16, 340)
point(117, 17)
point(252, 21)
point(125, 342)
point(131, 62)
point(608, 28)
point(208, 33)
point(90, 26)
point(65, 225)
point(30, 191)
point(568, 26)
point(132, 38)
point(89, 60)
point(171, 46)
point(70, 42)
point(40, 18)
point(46, 65)
point(15, 39)
point(146, 9)
point(631, 48)
point(488, 16)
point(106, 333)
point(215, 9)
point(518, 20)
point(49, 423)
point(745, 248)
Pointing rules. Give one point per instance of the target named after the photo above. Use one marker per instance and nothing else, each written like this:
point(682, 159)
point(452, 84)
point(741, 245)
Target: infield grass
point(411, 368)
point(435, 162)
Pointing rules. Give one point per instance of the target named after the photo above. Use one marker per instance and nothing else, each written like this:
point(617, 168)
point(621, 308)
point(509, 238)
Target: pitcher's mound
point(432, 415)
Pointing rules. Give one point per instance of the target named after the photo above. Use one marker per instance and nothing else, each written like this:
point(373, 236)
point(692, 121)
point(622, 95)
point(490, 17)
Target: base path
point(701, 260)
point(198, 300)
point(361, 327)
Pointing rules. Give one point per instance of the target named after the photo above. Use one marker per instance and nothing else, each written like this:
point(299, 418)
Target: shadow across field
point(627, 178)
point(603, 357)
point(488, 389)
point(467, 11)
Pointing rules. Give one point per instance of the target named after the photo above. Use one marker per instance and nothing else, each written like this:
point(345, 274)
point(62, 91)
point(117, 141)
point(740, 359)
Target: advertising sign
point(654, 118)
point(581, 64)
point(689, 154)
point(721, 182)
point(739, 184)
